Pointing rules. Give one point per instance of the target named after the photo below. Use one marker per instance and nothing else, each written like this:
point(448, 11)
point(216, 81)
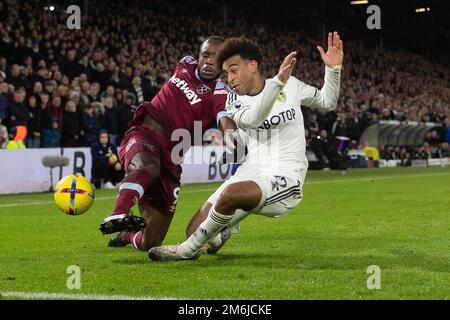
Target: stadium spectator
point(106, 168)
point(93, 92)
point(3, 101)
point(447, 132)
point(51, 137)
point(433, 138)
point(4, 139)
point(154, 89)
point(109, 92)
point(444, 151)
point(405, 157)
point(314, 128)
point(70, 135)
point(125, 114)
point(340, 126)
point(70, 66)
point(139, 91)
point(19, 113)
point(17, 137)
point(45, 118)
point(110, 118)
point(33, 139)
point(90, 124)
point(55, 108)
point(372, 153)
point(323, 149)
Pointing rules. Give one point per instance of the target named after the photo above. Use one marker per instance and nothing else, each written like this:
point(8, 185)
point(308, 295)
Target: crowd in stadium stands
point(66, 86)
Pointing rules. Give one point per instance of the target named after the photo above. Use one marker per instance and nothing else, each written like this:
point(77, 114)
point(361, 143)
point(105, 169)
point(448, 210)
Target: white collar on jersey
point(197, 75)
point(254, 95)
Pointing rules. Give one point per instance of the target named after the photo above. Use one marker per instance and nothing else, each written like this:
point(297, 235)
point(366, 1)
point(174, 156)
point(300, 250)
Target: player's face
point(207, 66)
point(241, 74)
point(104, 138)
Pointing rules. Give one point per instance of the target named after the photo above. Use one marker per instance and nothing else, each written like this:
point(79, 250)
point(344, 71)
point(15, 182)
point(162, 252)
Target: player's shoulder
point(291, 80)
point(188, 60)
point(234, 101)
point(221, 88)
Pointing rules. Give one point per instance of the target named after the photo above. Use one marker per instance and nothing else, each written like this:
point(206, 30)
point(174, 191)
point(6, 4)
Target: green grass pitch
point(397, 219)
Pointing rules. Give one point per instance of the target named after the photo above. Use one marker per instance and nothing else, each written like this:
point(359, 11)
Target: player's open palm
point(287, 66)
point(335, 54)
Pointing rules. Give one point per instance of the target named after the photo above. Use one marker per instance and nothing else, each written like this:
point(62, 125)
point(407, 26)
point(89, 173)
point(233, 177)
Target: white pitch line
point(66, 296)
point(343, 180)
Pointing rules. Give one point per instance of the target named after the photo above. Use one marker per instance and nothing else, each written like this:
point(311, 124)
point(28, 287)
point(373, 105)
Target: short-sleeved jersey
point(185, 98)
point(278, 145)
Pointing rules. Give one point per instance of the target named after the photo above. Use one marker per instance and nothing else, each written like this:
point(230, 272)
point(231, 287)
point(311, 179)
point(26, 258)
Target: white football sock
point(207, 230)
point(238, 216)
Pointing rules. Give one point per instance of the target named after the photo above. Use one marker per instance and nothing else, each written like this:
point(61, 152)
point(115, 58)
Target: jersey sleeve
point(229, 108)
point(325, 98)
point(247, 117)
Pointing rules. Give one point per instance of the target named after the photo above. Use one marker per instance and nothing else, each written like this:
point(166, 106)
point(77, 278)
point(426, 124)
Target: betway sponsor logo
point(184, 87)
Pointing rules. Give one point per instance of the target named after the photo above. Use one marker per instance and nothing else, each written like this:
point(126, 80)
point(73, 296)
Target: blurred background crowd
point(70, 87)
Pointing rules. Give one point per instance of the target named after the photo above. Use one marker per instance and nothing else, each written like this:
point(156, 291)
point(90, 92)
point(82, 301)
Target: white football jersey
point(278, 145)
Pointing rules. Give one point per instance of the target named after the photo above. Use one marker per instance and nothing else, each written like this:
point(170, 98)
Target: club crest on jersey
point(282, 96)
point(203, 89)
point(237, 105)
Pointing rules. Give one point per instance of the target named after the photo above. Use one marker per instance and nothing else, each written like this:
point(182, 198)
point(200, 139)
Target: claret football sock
point(127, 237)
point(131, 189)
point(208, 229)
point(136, 241)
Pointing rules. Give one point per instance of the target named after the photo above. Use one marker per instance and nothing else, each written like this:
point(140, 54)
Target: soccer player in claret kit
point(194, 93)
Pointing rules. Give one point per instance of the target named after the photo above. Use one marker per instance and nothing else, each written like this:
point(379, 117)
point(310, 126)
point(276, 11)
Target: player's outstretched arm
point(228, 128)
point(327, 97)
point(252, 117)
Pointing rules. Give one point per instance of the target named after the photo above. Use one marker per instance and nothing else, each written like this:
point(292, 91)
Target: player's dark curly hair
point(242, 46)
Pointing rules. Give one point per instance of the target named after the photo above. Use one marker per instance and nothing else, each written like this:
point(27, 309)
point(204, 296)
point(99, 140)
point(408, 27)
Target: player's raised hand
point(287, 66)
point(335, 54)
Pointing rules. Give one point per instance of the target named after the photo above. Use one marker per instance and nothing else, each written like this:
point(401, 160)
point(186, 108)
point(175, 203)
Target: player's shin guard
point(131, 190)
point(208, 229)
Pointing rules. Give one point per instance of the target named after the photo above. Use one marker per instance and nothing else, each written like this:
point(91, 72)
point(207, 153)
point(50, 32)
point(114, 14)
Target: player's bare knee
point(228, 200)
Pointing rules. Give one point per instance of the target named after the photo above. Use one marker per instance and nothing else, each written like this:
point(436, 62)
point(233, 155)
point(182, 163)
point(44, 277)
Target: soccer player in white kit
point(268, 117)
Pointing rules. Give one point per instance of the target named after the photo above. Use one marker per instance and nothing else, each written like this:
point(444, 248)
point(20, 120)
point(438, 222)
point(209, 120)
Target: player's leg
point(157, 207)
point(198, 218)
point(217, 242)
point(157, 225)
point(245, 195)
point(142, 171)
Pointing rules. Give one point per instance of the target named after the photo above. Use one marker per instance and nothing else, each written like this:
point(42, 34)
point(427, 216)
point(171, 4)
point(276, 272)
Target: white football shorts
point(280, 193)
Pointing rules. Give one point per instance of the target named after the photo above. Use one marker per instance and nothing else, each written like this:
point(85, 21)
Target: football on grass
point(74, 195)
